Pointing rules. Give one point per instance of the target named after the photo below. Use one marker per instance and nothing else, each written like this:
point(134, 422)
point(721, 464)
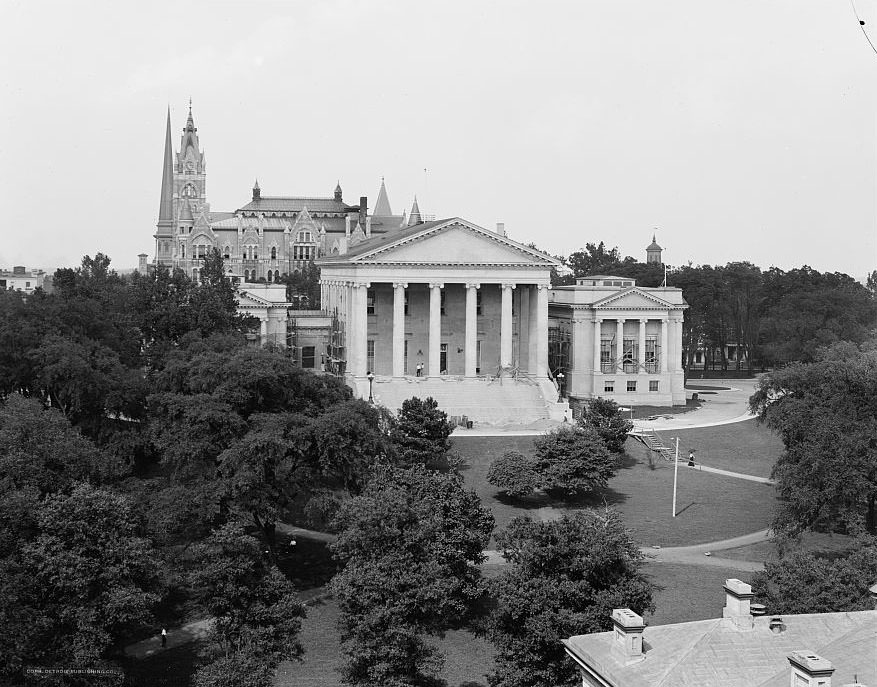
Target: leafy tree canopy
point(604, 416)
point(573, 460)
point(421, 432)
point(826, 414)
point(565, 578)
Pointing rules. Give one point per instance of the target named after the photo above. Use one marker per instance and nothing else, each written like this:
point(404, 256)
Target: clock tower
point(190, 178)
point(183, 195)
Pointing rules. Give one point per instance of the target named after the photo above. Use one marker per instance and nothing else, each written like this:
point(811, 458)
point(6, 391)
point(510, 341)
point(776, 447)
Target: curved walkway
point(697, 554)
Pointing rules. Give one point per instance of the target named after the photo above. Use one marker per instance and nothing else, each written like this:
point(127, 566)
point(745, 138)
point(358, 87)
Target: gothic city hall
point(410, 305)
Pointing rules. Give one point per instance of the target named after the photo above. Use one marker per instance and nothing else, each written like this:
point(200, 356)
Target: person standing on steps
point(163, 638)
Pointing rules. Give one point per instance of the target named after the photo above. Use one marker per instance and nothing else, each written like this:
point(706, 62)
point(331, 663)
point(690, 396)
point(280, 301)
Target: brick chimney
point(809, 670)
point(363, 211)
point(500, 228)
point(628, 629)
point(738, 596)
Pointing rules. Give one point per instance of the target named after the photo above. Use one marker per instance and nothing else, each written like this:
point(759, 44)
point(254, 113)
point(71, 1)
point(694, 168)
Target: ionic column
point(505, 327)
point(542, 330)
point(665, 352)
point(471, 342)
point(598, 328)
point(675, 334)
point(619, 346)
point(399, 328)
point(641, 361)
point(532, 324)
point(435, 328)
point(357, 342)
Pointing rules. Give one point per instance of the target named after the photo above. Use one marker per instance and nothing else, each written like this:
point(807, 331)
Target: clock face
point(190, 165)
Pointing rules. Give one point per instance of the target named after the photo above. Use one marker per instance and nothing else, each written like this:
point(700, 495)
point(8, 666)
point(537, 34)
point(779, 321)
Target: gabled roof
point(715, 653)
point(377, 247)
point(634, 297)
point(296, 204)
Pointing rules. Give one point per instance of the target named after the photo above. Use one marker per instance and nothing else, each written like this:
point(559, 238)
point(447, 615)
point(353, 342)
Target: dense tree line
point(775, 316)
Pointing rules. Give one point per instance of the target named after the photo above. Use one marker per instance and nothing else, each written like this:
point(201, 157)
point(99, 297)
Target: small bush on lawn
point(514, 473)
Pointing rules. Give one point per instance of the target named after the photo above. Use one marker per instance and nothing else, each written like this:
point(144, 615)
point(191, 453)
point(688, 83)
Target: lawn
point(709, 506)
point(688, 592)
point(819, 543)
point(747, 447)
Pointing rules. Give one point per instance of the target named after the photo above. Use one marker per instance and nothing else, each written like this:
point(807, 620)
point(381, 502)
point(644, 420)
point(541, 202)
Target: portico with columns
point(623, 341)
point(444, 300)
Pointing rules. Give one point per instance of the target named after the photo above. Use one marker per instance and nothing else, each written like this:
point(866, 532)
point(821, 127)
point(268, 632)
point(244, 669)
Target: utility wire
point(862, 26)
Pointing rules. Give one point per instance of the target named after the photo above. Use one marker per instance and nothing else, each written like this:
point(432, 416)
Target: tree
point(39, 449)
point(514, 473)
point(804, 583)
point(421, 432)
point(573, 460)
point(88, 578)
point(565, 578)
point(826, 414)
point(604, 416)
point(257, 615)
point(410, 545)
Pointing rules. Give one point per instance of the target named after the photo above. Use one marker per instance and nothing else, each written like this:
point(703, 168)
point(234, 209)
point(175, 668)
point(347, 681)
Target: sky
point(735, 130)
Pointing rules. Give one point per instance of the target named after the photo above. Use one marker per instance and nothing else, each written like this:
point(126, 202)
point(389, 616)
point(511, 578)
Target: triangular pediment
point(453, 241)
point(633, 298)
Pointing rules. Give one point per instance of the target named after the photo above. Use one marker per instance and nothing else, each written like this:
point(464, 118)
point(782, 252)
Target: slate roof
point(295, 204)
point(715, 653)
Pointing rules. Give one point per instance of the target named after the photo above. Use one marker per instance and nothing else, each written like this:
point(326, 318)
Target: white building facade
point(613, 339)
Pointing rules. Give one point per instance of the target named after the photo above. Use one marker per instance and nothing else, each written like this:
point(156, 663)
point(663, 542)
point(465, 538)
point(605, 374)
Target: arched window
point(270, 275)
point(273, 252)
point(226, 253)
point(195, 276)
point(276, 275)
point(246, 275)
point(183, 251)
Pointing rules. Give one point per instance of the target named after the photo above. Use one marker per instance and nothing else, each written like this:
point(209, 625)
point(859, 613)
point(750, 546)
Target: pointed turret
point(166, 206)
point(338, 195)
point(653, 252)
point(257, 192)
point(414, 215)
point(190, 123)
point(382, 207)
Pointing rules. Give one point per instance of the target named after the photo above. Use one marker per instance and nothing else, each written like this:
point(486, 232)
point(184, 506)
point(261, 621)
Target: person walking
point(163, 638)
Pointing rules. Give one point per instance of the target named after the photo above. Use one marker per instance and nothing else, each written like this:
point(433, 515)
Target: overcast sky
point(742, 130)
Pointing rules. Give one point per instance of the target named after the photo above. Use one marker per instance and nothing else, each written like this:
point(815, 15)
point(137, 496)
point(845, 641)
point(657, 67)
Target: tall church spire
point(382, 207)
point(166, 206)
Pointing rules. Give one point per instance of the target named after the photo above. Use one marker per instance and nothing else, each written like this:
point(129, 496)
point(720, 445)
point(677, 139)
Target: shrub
point(514, 473)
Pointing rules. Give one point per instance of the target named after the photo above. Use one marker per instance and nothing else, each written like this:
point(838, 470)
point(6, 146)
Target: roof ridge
point(685, 653)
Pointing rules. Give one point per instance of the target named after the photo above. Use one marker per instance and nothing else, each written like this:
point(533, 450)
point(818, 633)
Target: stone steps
point(480, 400)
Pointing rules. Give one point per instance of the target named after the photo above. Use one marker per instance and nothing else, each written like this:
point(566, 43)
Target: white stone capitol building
point(441, 308)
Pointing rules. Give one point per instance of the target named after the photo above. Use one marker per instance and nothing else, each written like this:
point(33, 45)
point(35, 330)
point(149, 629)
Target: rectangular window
point(653, 385)
point(405, 363)
point(608, 386)
point(631, 385)
point(370, 354)
point(607, 363)
point(477, 301)
point(630, 355)
point(442, 302)
point(478, 354)
point(406, 313)
point(370, 302)
point(307, 356)
point(651, 359)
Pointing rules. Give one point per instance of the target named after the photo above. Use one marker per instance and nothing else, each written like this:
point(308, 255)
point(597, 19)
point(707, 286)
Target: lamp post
point(560, 377)
point(371, 379)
